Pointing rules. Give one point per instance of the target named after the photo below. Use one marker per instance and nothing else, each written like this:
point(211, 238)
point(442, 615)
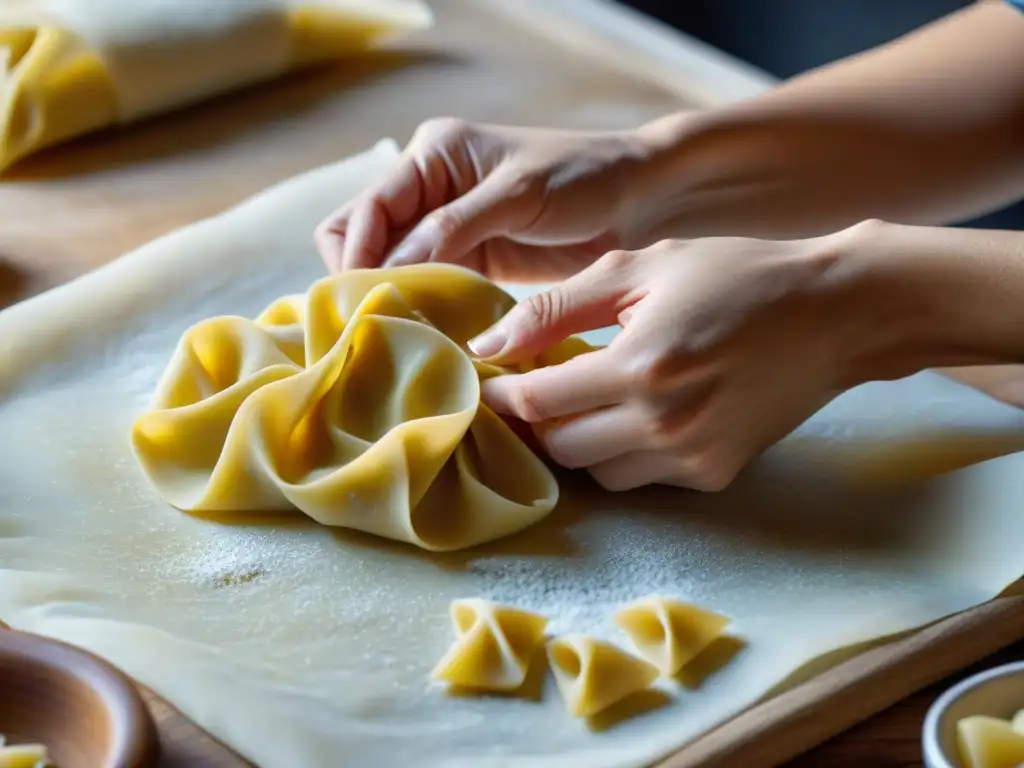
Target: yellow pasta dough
point(1018, 722)
point(669, 633)
point(70, 67)
point(493, 648)
point(989, 742)
point(22, 755)
point(592, 674)
point(356, 403)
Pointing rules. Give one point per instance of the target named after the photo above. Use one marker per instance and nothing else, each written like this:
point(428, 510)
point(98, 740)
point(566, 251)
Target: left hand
point(728, 344)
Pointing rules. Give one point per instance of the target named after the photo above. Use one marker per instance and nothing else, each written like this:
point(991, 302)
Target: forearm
point(929, 297)
point(926, 130)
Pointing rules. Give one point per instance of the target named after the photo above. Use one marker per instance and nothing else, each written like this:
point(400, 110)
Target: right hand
point(516, 204)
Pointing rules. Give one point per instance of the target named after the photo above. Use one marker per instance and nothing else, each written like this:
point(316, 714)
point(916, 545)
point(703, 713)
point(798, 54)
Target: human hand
point(516, 204)
point(727, 345)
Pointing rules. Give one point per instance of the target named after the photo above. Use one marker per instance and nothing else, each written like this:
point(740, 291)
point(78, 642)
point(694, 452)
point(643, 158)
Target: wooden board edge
point(784, 726)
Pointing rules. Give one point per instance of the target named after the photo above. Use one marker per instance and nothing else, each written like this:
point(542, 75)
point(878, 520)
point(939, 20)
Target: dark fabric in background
point(786, 37)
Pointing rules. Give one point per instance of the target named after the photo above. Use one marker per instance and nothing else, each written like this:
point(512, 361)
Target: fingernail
point(490, 342)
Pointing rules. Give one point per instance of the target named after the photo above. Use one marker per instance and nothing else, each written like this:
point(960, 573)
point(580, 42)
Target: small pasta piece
point(23, 755)
point(669, 633)
point(493, 648)
point(1018, 722)
point(989, 742)
point(593, 674)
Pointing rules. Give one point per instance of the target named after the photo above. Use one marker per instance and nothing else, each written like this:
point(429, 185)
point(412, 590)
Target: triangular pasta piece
point(593, 674)
point(494, 647)
point(1018, 722)
point(669, 633)
point(988, 742)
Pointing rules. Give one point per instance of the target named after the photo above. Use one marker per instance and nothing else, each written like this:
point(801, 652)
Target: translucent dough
point(592, 674)
point(669, 633)
point(494, 646)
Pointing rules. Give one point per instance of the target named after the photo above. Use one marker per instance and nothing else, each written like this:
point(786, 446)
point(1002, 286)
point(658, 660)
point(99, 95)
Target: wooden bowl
point(85, 712)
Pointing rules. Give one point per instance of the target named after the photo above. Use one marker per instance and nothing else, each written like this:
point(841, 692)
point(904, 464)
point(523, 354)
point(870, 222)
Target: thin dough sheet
point(295, 643)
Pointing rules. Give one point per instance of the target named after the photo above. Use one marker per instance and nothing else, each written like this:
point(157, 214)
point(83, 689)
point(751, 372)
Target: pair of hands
point(727, 343)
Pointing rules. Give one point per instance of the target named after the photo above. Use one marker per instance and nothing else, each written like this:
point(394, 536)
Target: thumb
point(586, 301)
point(499, 205)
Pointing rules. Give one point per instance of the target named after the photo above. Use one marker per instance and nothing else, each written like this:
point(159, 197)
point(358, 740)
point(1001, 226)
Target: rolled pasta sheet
point(989, 742)
point(592, 674)
point(357, 403)
point(669, 633)
point(494, 646)
point(70, 67)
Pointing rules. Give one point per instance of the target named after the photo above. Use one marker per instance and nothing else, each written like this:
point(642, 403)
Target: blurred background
point(787, 37)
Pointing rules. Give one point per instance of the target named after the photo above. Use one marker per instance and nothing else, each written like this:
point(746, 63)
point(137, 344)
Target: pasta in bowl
point(357, 403)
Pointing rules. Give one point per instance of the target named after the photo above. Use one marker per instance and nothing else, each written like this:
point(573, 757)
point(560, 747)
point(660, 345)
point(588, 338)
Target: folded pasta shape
point(1018, 722)
point(592, 674)
point(989, 742)
point(356, 403)
point(493, 648)
point(669, 633)
point(70, 67)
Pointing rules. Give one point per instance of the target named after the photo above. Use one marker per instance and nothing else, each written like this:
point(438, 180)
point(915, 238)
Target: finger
point(356, 235)
point(497, 206)
point(590, 299)
point(596, 436)
point(582, 384)
point(706, 470)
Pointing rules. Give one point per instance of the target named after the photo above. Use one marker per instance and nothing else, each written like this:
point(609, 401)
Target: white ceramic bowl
point(996, 692)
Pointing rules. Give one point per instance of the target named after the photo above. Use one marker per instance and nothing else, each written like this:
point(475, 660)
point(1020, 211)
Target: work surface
point(79, 207)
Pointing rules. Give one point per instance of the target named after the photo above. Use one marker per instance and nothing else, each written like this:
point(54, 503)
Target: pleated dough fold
point(70, 67)
point(357, 404)
point(494, 646)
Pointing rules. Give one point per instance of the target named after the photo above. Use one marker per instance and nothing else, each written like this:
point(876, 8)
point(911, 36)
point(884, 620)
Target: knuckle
point(610, 481)
point(646, 372)
point(445, 222)
point(528, 404)
point(561, 453)
point(543, 308)
point(708, 470)
point(617, 261)
point(442, 130)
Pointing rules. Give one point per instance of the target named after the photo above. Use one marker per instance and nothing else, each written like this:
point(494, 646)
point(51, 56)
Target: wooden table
point(892, 738)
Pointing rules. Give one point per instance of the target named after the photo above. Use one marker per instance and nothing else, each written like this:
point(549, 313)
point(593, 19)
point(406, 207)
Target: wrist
point(914, 298)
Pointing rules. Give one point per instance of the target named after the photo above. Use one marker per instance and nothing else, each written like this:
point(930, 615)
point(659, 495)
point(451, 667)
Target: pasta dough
point(359, 405)
point(494, 646)
point(669, 633)
point(295, 642)
point(593, 674)
point(22, 755)
point(70, 67)
point(989, 742)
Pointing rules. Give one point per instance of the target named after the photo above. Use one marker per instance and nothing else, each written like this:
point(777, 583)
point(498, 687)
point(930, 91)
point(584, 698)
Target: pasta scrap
point(669, 633)
point(494, 646)
point(23, 755)
point(592, 674)
point(990, 742)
